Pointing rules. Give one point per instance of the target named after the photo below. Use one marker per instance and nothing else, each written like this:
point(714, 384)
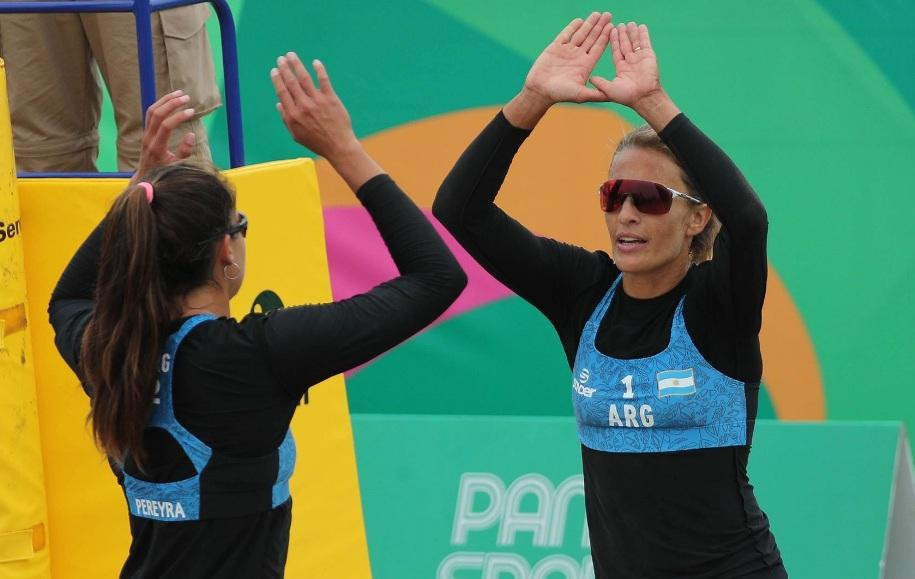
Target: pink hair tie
point(147, 186)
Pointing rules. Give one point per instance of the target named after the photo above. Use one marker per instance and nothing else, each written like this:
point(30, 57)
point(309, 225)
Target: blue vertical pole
point(142, 15)
point(230, 74)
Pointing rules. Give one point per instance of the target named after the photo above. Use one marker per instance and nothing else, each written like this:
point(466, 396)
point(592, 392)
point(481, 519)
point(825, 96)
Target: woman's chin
point(629, 263)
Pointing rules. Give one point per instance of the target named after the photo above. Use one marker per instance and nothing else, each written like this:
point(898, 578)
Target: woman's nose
point(628, 212)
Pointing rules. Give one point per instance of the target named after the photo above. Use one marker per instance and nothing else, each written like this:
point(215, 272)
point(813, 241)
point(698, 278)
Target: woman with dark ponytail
point(151, 257)
point(191, 406)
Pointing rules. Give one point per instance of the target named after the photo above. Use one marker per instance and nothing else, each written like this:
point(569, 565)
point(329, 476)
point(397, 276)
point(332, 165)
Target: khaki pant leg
point(54, 96)
point(183, 59)
point(76, 161)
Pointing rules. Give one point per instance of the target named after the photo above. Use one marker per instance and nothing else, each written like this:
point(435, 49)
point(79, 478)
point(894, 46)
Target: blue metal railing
point(142, 11)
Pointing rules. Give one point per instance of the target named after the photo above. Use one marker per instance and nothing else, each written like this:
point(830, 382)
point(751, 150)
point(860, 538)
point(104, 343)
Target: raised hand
point(317, 119)
point(162, 117)
point(561, 72)
point(636, 66)
point(313, 114)
point(638, 82)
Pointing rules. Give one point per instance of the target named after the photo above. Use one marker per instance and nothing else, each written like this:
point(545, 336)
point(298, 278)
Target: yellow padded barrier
point(23, 553)
point(286, 254)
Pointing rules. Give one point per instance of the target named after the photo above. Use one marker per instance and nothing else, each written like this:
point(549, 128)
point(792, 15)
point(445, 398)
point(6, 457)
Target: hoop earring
point(225, 271)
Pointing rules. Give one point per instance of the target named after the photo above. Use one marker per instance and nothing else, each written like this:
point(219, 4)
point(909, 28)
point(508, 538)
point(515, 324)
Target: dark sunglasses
point(240, 227)
point(648, 197)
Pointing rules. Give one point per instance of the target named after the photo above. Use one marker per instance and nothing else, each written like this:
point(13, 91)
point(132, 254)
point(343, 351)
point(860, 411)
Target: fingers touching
point(635, 62)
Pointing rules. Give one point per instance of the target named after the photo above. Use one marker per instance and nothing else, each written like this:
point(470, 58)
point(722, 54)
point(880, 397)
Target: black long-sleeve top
point(637, 529)
point(237, 383)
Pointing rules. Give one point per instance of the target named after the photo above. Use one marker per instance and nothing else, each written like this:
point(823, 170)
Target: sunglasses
point(648, 197)
point(240, 227)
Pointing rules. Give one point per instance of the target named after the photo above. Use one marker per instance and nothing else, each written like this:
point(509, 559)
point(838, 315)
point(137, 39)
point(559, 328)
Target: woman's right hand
point(562, 71)
point(313, 115)
point(317, 119)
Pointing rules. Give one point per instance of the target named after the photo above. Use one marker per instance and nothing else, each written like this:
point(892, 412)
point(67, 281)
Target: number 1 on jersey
point(627, 382)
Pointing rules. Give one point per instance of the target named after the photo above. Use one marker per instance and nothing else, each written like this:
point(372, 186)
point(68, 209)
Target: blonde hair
point(645, 137)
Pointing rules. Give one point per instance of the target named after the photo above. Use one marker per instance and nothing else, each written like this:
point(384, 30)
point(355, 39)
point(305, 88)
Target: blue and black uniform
point(664, 389)
point(213, 498)
point(222, 485)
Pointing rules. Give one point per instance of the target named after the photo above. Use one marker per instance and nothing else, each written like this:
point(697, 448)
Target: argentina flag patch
point(676, 383)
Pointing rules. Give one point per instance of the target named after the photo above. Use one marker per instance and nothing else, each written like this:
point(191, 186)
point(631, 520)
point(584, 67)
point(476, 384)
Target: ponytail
point(121, 344)
point(159, 243)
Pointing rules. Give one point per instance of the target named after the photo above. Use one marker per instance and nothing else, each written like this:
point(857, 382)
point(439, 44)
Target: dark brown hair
point(645, 137)
point(152, 253)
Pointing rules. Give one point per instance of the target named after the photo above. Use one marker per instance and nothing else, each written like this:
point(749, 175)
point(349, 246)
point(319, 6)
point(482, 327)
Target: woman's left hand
point(638, 81)
point(637, 75)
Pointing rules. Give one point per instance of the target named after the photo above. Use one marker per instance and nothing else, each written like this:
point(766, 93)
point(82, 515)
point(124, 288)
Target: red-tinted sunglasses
point(648, 197)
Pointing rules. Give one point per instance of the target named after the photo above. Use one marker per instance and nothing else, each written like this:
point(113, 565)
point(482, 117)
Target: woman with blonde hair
point(662, 342)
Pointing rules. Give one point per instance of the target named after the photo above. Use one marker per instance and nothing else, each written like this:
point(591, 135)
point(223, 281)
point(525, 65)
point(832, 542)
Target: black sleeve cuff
point(673, 127)
point(377, 182)
point(511, 131)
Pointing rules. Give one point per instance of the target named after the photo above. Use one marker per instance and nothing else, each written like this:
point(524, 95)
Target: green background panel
point(887, 28)
point(825, 487)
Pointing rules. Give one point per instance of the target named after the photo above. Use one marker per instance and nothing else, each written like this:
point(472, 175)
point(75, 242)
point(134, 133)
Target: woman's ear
point(224, 253)
point(698, 219)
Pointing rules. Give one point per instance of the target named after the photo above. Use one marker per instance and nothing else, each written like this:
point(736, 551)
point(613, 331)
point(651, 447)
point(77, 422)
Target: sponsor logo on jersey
point(578, 384)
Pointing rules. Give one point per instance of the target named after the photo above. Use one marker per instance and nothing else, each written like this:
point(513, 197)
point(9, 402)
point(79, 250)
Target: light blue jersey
point(192, 498)
point(674, 400)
